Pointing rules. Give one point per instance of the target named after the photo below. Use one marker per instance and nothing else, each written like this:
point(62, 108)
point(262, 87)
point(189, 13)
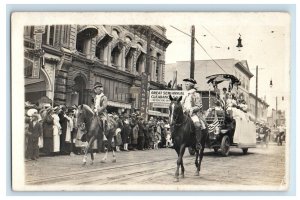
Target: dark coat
point(35, 130)
point(48, 127)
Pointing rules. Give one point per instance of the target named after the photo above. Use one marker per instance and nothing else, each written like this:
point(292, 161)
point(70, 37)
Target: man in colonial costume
point(100, 104)
point(192, 106)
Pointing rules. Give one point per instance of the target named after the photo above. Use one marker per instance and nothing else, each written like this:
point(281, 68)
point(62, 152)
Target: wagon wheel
point(245, 150)
point(225, 145)
point(191, 151)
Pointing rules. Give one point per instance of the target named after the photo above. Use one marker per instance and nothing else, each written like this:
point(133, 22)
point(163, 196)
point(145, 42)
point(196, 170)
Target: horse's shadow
point(211, 153)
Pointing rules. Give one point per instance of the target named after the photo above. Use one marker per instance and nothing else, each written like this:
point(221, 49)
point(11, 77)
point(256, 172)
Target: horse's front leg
point(86, 150)
point(178, 164)
point(201, 157)
point(197, 163)
point(106, 152)
point(114, 156)
point(182, 150)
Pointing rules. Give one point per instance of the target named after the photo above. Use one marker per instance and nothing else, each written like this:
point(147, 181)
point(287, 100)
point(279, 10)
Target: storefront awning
point(119, 105)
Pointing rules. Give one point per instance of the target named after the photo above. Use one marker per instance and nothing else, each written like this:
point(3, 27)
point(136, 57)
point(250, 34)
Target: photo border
point(290, 8)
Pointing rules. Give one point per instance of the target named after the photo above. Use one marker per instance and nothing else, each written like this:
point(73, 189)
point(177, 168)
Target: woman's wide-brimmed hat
point(32, 111)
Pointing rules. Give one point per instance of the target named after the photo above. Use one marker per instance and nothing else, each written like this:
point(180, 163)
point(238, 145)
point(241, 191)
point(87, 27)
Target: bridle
point(175, 118)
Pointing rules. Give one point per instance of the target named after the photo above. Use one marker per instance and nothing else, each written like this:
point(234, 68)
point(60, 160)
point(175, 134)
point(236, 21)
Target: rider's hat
point(97, 84)
point(191, 80)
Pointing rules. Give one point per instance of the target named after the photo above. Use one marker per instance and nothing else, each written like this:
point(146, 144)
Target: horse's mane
point(87, 108)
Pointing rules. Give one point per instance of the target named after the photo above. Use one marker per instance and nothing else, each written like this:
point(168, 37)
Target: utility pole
point(192, 53)
point(256, 88)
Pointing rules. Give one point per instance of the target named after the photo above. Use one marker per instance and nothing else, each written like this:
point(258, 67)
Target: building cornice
point(241, 67)
point(52, 50)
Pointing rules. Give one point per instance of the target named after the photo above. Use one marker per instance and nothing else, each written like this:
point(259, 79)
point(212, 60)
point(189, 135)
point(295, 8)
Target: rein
point(179, 124)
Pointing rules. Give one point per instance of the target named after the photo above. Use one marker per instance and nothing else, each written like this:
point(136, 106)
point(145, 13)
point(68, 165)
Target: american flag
point(212, 126)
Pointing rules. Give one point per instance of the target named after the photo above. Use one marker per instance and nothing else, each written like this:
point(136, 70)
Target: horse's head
point(83, 114)
point(175, 109)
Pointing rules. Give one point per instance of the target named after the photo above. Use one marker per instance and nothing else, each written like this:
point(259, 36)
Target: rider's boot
point(198, 135)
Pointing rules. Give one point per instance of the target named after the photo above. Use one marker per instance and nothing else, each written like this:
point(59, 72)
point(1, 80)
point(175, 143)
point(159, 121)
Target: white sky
point(269, 50)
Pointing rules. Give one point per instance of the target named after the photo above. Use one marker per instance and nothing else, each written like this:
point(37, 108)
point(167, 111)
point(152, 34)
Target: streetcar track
point(90, 171)
point(135, 174)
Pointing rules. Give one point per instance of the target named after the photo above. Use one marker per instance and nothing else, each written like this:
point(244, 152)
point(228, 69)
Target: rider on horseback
point(192, 106)
point(100, 102)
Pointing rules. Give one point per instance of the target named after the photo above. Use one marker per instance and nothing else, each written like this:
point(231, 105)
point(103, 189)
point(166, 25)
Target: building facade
point(204, 68)
point(262, 108)
point(62, 63)
point(277, 119)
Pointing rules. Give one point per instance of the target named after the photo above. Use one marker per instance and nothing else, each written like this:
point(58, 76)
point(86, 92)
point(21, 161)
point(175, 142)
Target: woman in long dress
point(48, 132)
point(56, 130)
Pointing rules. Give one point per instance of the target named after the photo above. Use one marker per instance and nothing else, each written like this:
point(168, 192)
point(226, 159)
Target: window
point(66, 34)
point(127, 39)
point(115, 54)
point(140, 45)
point(157, 73)
point(44, 36)
point(29, 32)
point(51, 35)
point(115, 33)
point(28, 68)
point(100, 49)
point(139, 63)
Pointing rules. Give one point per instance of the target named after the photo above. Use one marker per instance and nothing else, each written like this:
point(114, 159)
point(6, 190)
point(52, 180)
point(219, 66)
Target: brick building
point(62, 63)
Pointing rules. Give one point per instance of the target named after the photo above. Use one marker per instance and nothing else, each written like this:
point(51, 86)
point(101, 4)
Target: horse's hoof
point(182, 175)
point(197, 173)
point(103, 161)
point(91, 163)
point(84, 163)
point(114, 160)
point(176, 179)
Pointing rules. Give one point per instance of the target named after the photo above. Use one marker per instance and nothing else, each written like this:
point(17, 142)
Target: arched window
point(84, 39)
point(140, 45)
point(129, 60)
point(157, 68)
point(127, 40)
point(100, 49)
point(115, 55)
point(115, 33)
point(140, 63)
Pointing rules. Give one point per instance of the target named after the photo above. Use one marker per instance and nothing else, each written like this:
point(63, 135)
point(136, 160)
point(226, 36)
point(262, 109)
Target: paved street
point(261, 168)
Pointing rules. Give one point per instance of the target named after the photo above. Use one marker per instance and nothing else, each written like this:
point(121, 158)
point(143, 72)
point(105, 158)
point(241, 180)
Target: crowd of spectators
point(52, 131)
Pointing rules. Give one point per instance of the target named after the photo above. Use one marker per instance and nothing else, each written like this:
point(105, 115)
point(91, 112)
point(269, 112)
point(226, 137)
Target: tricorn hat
point(191, 80)
point(98, 84)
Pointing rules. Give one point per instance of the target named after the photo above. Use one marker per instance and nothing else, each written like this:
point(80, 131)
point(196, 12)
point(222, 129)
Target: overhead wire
point(213, 35)
point(200, 46)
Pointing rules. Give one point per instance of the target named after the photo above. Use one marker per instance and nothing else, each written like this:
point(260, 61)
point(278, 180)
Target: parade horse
point(183, 135)
point(88, 121)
